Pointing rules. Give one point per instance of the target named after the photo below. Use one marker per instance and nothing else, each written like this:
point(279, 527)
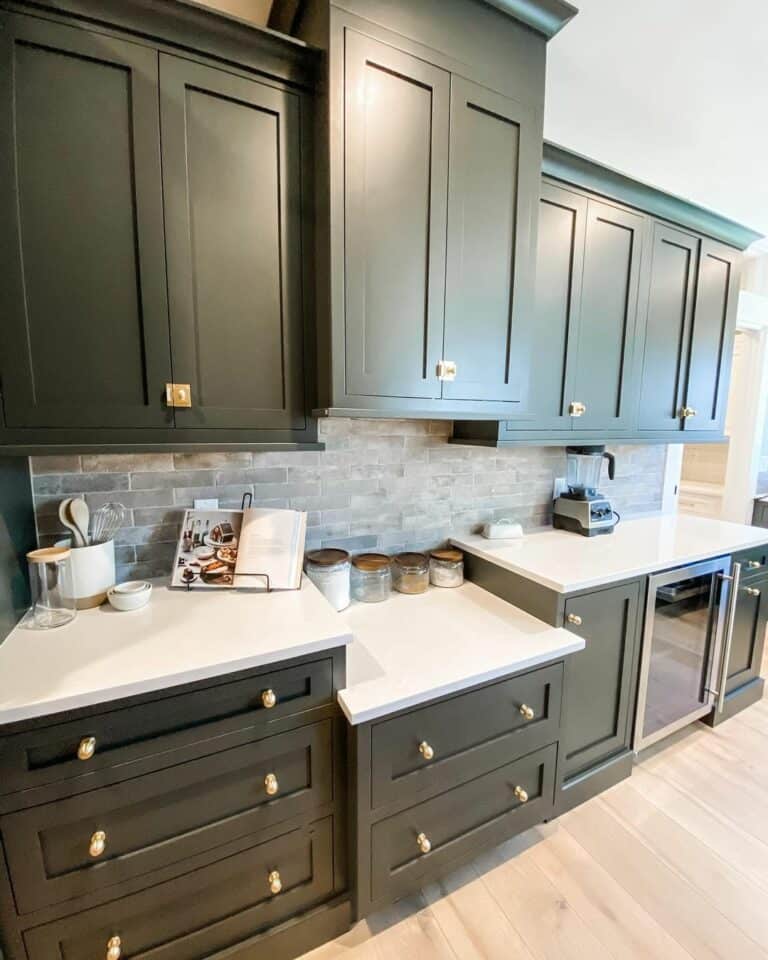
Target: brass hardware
point(576, 408)
point(752, 591)
point(178, 395)
point(268, 698)
point(526, 712)
point(686, 412)
point(423, 842)
point(446, 370)
point(522, 794)
point(86, 748)
point(574, 618)
point(271, 785)
point(114, 948)
point(98, 843)
point(426, 751)
point(754, 564)
point(275, 883)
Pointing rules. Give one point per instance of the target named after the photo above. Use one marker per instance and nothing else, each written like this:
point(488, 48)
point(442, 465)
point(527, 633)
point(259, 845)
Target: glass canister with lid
point(371, 577)
point(50, 581)
point(329, 571)
point(446, 567)
point(410, 572)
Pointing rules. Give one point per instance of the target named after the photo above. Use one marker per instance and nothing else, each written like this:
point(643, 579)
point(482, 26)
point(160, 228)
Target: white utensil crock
point(93, 572)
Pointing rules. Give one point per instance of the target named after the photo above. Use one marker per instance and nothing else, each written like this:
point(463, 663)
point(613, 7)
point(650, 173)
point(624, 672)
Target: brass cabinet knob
point(574, 618)
point(86, 748)
point(754, 564)
point(114, 948)
point(577, 409)
point(423, 843)
point(268, 698)
point(526, 712)
point(98, 843)
point(522, 794)
point(271, 785)
point(426, 750)
point(275, 883)
point(687, 412)
point(752, 591)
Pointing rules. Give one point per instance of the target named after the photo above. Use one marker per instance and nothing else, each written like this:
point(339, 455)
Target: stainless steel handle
point(730, 616)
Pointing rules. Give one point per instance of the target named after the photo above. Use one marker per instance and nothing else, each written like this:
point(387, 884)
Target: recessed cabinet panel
point(231, 162)
point(84, 335)
point(668, 327)
point(492, 185)
point(712, 340)
point(608, 315)
point(396, 168)
point(748, 640)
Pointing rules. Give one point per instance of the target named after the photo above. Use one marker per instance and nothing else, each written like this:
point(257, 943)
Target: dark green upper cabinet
point(493, 182)
point(232, 184)
point(395, 199)
point(85, 325)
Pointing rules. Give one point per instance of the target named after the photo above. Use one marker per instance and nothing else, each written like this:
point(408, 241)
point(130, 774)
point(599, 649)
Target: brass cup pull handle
point(526, 712)
point(271, 785)
point(426, 750)
point(752, 591)
point(423, 843)
point(522, 794)
point(754, 564)
point(268, 698)
point(275, 883)
point(98, 844)
point(575, 619)
point(114, 948)
point(86, 748)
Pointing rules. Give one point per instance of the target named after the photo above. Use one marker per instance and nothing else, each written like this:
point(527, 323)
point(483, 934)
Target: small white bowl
point(131, 595)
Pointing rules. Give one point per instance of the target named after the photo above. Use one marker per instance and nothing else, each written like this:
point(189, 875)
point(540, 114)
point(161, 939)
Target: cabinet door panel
point(598, 680)
point(670, 309)
point(84, 338)
point(232, 181)
point(396, 170)
point(608, 315)
point(748, 634)
point(493, 183)
point(711, 346)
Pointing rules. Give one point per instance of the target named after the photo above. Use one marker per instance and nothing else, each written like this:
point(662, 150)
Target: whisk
point(106, 521)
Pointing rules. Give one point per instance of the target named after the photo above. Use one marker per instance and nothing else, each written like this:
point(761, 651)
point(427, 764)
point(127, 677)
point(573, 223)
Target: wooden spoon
point(80, 516)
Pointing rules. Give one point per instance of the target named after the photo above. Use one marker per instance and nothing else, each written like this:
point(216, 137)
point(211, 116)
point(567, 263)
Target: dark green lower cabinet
point(598, 701)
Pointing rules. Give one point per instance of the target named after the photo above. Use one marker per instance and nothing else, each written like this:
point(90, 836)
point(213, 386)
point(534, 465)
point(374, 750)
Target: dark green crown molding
point(543, 16)
point(573, 168)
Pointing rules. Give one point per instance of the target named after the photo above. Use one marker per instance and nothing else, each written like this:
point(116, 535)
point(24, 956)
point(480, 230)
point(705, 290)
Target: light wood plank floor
point(672, 863)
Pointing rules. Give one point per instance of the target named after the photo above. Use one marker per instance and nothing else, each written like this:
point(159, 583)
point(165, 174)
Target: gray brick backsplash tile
point(380, 484)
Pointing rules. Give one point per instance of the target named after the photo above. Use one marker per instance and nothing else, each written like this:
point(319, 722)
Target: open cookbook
point(252, 549)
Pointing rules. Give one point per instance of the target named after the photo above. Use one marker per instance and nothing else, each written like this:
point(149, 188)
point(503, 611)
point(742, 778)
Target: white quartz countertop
point(178, 638)
point(566, 561)
point(410, 649)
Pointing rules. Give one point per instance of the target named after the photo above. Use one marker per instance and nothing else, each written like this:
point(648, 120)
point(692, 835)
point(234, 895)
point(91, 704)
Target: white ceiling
point(672, 92)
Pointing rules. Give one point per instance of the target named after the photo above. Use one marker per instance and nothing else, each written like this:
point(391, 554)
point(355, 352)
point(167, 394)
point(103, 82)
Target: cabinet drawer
point(50, 754)
point(467, 735)
point(754, 561)
point(162, 817)
point(196, 915)
point(487, 809)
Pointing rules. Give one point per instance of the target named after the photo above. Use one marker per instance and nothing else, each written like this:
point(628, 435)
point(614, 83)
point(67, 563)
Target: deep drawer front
point(196, 915)
point(50, 754)
point(467, 735)
point(457, 821)
point(53, 850)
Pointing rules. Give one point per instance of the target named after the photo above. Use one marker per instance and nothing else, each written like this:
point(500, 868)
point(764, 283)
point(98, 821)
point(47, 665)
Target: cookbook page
point(207, 550)
point(271, 544)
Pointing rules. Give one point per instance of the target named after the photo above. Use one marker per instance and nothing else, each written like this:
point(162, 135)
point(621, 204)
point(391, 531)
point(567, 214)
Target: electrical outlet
point(212, 504)
point(560, 487)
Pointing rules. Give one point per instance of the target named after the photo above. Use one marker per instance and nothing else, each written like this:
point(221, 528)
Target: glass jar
point(50, 582)
point(410, 572)
point(446, 568)
point(371, 577)
point(329, 571)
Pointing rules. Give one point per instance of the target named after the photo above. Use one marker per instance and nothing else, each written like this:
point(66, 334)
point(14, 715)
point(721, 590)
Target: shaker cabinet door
point(493, 185)
point(608, 317)
point(232, 189)
point(395, 199)
point(84, 333)
point(748, 640)
point(671, 297)
point(711, 347)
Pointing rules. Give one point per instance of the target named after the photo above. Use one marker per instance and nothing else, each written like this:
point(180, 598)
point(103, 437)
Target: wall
point(705, 462)
point(380, 484)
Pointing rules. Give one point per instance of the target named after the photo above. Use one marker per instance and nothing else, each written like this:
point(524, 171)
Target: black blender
point(582, 508)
